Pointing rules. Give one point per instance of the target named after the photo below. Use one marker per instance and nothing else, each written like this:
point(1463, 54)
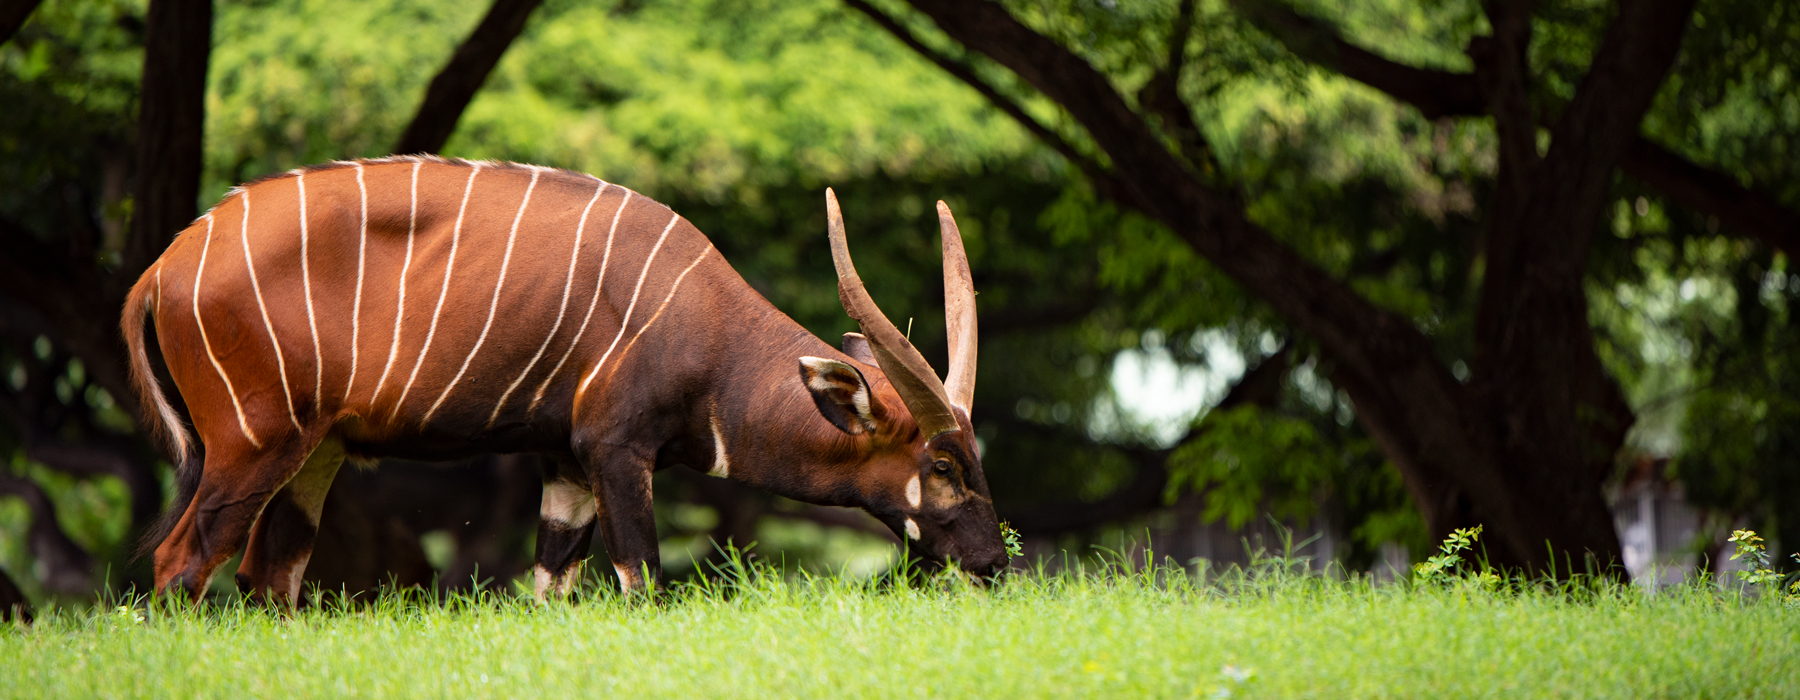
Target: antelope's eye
point(941, 467)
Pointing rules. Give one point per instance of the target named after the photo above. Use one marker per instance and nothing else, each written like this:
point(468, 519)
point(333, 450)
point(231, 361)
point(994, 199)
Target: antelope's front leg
point(565, 529)
point(627, 517)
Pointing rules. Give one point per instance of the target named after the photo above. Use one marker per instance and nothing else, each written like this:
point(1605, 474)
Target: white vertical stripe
point(493, 304)
point(568, 286)
point(626, 322)
point(595, 301)
point(255, 286)
point(362, 248)
point(311, 320)
point(450, 266)
point(243, 424)
point(412, 227)
point(664, 306)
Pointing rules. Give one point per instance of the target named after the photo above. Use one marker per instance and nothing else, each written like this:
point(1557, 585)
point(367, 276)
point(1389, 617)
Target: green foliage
point(738, 113)
point(1246, 460)
point(1749, 547)
point(1439, 569)
point(1011, 537)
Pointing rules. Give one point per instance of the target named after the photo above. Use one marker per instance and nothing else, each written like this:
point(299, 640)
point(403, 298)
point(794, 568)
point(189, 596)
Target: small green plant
point(1011, 536)
point(1750, 548)
point(1439, 569)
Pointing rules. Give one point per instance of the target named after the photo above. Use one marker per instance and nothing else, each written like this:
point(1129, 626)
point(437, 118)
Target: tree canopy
point(1440, 262)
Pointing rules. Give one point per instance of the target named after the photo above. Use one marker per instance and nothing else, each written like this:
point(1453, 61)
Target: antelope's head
point(919, 461)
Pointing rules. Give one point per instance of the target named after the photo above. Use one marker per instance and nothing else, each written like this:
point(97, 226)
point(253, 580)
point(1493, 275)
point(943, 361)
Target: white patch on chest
point(913, 494)
point(567, 504)
point(721, 466)
point(912, 529)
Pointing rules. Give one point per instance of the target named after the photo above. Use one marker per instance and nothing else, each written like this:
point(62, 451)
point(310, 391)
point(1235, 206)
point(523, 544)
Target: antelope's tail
point(166, 426)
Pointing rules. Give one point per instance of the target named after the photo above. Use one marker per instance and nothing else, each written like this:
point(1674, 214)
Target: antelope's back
point(422, 297)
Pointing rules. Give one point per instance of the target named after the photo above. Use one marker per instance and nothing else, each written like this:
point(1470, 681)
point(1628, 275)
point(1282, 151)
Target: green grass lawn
point(1101, 634)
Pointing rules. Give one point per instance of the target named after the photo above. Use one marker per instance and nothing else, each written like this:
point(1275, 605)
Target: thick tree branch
point(1503, 72)
point(1154, 183)
point(1437, 94)
point(177, 44)
point(13, 14)
point(1593, 132)
point(1422, 415)
point(1107, 185)
point(1715, 193)
point(454, 86)
point(1161, 96)
point(1434, 93)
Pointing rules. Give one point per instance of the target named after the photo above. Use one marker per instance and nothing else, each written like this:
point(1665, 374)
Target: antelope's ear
point(841, 393)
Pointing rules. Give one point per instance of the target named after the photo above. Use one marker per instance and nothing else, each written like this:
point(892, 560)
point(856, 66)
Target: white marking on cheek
point(721, 466)
point(912, 529)
point(567, 504)
point(913, 495)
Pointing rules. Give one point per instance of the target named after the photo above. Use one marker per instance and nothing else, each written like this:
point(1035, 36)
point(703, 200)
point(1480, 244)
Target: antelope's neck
point(767, 430)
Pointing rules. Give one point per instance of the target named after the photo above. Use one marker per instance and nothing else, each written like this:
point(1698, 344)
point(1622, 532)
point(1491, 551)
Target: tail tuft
point(166, 426)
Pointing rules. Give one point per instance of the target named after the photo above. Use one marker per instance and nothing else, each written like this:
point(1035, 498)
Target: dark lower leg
point(628, 524)
point(281, 542)
point(565, 531)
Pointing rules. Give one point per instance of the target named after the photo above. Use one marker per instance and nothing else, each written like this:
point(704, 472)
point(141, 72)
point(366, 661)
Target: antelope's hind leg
point(237, 480)
point(565, 528)
point(282, 540)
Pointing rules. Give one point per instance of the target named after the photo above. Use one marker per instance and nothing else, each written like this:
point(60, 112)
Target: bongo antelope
point(434, 308)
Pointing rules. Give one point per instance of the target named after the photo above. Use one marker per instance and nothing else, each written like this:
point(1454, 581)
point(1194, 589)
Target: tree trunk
point(1523, 448)
point(13, 605)
point(13, 15)
point(177, 44)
